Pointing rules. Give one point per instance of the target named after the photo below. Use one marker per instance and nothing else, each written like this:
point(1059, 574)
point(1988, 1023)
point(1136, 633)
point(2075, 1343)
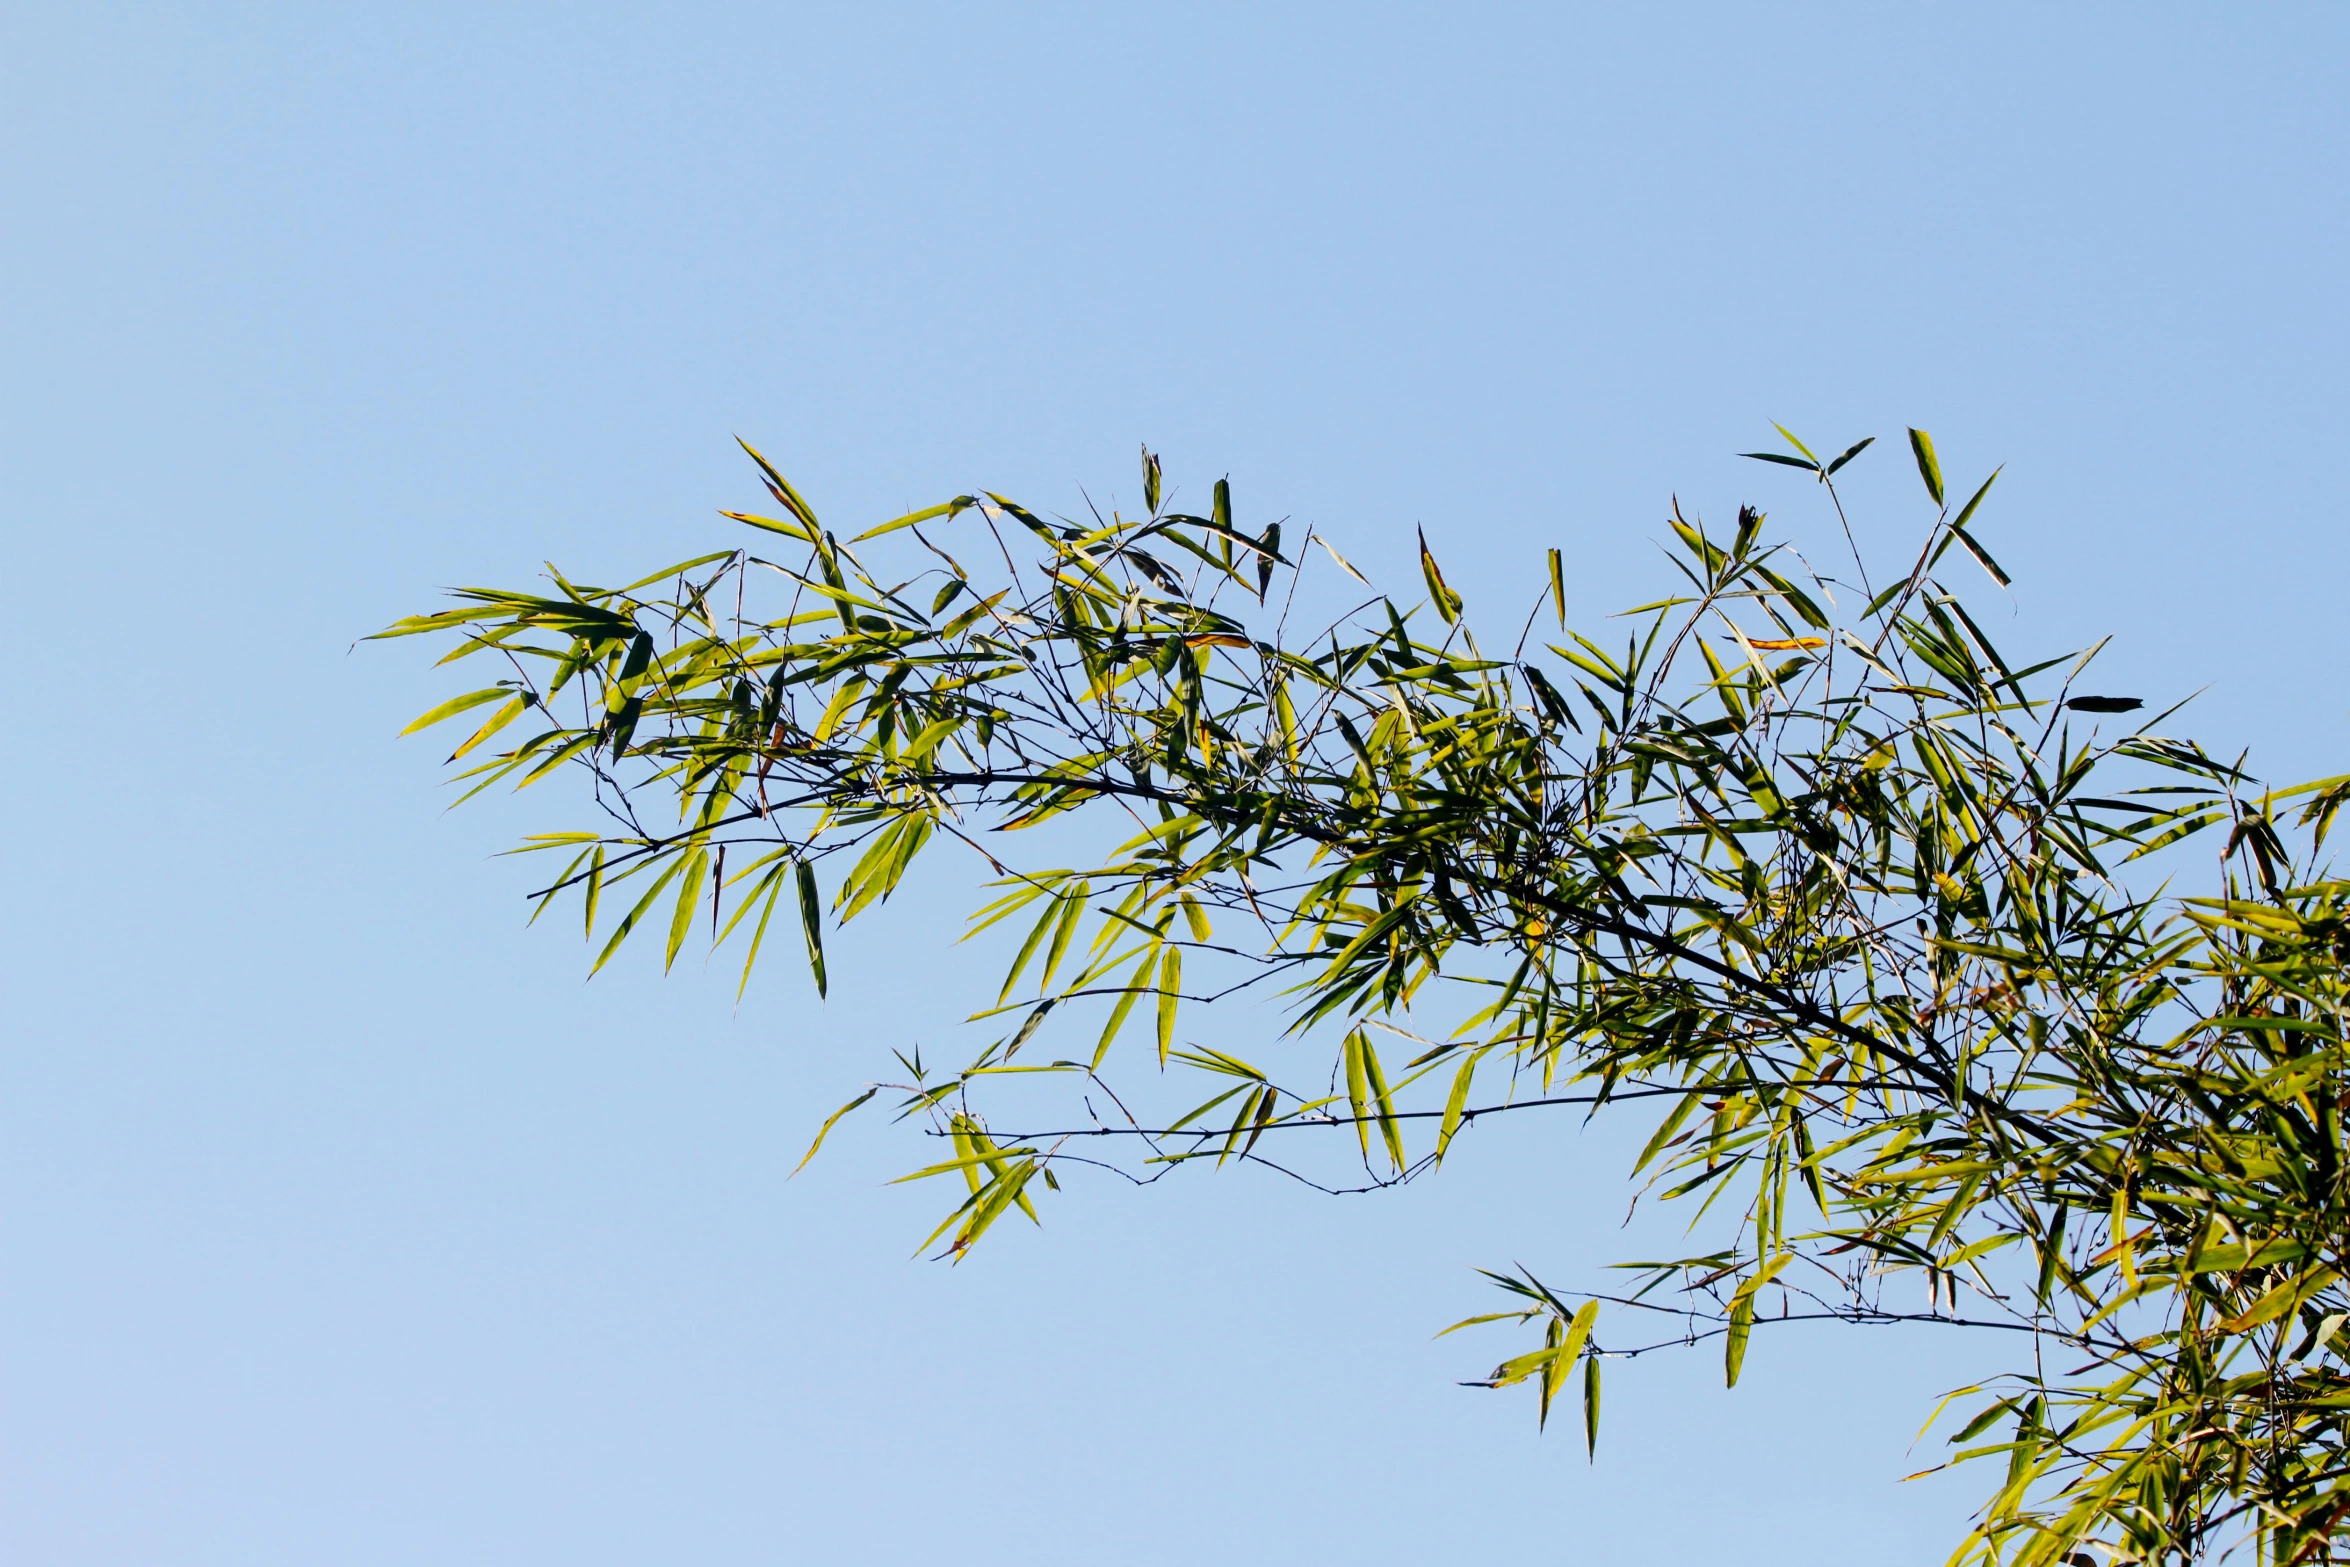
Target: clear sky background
point(342, 1223)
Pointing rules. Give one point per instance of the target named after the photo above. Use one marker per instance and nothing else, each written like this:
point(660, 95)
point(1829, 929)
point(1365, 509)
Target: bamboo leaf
point(1072, 908)
point(987, 1158)
point(594, 889)
point(1136, 984)
point(1929, 467)
point(811, 923)
point(497, 721)
point(628, 920)
point(1591, 1395)
point(942, 509)
point(1358, 1090)
point(1447, 602)
point(781, 487)
point(1343, 563)
point(1035, 1021)
point(455, 705)
point(825, 1130)
point(764, 895)
point(1852, 451)
point(1170, 994)
point(1454, 1103)
point(689, 891)
point(1054, 910)
point(1389, 1131)
point(1982, 556)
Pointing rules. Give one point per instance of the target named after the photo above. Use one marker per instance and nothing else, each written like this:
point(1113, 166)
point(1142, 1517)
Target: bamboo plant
point(1796, 865)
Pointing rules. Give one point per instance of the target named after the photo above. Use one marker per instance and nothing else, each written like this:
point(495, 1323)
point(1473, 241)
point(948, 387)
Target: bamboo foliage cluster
point(1803, 866)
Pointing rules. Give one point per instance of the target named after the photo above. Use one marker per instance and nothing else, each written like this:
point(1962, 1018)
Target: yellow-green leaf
point(497, 721)
point(825, 1130)
point(681, 921)
point(455, 705)
point(1170, 988)
point(1929, 468)
point(1734, 1342)
point(1448, 603)
point(1454, 1103)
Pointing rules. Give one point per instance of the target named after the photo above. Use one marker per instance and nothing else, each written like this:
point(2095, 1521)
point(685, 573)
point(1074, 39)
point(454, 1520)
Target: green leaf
point(811, 922)
point(1193, 1114)
point(1734, 1342)
point(782, 490)
point(1929, 469)
point(2279, 1300)
point(1072, 909)
point(1389, 1131)
point(1982, 556)
point(595, 886)
point(1195, 917)
point(1046, 922)
point(878, 871)
point(1358, 1089)
point(1966, 513)
point(988, 1157)
point(1454, 1103)
point(928, 740)
point(969, 618)
point(1591, 1406)
point(1664, 1131)
point(942, 509)
point(640, 659)
point(764, 895)
point(679, 569)
point(790, 530)
point(1006, 1190)
point(1034, 1022)
point(498, 720)
point(455, 705)
point(2051, 1254)
point(628, 920)
point(1852, 451)
point(1136, 984)
point(1554, 1360)
point(1170, 987)
point(1579, 1329)
point(825, 1130)
point(1448, 603)
point(681, 921)
point(623, 721)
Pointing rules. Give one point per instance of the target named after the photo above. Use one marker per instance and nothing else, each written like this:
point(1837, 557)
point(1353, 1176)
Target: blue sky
point(343, 1222)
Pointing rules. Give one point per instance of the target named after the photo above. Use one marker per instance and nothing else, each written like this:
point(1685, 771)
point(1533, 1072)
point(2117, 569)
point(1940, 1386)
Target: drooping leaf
point(811, 921)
